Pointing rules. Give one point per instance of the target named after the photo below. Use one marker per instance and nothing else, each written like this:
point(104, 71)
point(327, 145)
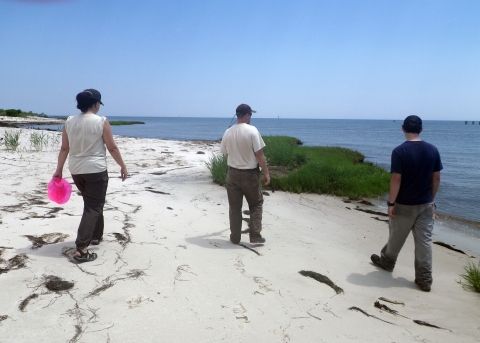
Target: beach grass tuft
point(12, 139)
point(472, 276)
point(38, 140)
point(322, 170)
point(217, 164)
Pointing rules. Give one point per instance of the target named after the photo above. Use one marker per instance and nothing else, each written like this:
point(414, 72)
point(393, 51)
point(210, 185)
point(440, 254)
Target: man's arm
point(395, 181)
point(435, 184)
point(259, 155)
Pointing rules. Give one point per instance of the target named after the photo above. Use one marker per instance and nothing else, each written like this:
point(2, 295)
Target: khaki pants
point(246, 183)
point(419, 220)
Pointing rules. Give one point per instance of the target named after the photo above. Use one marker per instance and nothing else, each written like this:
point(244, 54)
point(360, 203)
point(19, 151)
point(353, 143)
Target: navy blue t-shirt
point(416, 161)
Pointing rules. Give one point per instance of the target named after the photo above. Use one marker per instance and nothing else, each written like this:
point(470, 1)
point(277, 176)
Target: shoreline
point(13, 121)
point(467, 228)
point(166, 262)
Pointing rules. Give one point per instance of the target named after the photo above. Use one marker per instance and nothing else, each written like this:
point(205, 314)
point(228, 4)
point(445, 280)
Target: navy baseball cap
point(412, 124)
point(93, 94)
point(244, 109)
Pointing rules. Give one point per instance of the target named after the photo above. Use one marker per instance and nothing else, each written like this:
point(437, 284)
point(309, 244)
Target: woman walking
point(84, 138)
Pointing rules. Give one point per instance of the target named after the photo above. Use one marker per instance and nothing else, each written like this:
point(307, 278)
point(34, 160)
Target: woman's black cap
point(93, 94)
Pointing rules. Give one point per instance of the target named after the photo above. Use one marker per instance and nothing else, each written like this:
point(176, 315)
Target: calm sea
point(457, 142)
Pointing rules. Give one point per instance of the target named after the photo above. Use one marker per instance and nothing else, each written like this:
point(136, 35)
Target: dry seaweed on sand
point(16, 262)
point(48, 238)
point(54, 283)
point(354, 308)
point(372, 212)
point(395, 302)
point(255, 251)
point(321, 278)
point(25, 301)
point(121, 238)
point(2, 318)
point(384, 307)
point(421, 322)
point(448, 246)
point(100, 289)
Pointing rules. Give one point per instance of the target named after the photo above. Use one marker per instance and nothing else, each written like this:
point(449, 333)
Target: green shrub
point(13, 113)
point(283, 151)
point(472, 276)
point(323, 170)
point(12, 140)
point(218, 167)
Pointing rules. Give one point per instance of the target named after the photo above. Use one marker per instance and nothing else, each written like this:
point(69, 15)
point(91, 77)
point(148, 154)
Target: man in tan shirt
point(242, 143)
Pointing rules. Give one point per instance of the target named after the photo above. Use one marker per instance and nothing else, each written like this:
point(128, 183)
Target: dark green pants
point(246, 183)
point(94, 189)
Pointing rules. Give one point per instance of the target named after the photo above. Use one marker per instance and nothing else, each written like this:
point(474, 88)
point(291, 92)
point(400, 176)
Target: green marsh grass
point(322, 170)
point(12, 140)
point(217, 164)
point(472, 276)
point(283, 151)
point(38, 140)
point(125, 122)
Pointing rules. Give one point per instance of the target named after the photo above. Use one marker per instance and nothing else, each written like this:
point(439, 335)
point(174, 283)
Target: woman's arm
point(62, 155)
point(113, 149)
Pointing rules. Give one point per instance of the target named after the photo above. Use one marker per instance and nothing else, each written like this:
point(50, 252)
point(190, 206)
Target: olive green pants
point(246, 183)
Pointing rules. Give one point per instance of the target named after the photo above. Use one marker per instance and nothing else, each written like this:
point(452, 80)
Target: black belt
point(247, 170)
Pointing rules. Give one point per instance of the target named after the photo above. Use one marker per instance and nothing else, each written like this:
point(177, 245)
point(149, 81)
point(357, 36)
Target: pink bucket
point(59, 190)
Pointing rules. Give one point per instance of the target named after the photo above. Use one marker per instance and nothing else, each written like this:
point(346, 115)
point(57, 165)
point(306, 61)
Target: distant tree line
point(20, 113)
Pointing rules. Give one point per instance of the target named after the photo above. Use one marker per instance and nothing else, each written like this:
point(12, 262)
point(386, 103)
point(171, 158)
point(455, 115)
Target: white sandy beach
point(167, 272)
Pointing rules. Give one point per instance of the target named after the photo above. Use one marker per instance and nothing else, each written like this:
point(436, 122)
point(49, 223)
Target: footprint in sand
point(240, 314)
point(137, 301)
point(239, 265)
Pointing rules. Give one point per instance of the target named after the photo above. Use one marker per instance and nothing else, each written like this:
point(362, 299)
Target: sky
point(337, 59)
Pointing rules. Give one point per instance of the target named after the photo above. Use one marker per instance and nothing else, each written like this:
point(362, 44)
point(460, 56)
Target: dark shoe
point(234, 240)
point(378, 262)
point(96, 241)
point(424, 286)
point(85, 256)
point(257, 240)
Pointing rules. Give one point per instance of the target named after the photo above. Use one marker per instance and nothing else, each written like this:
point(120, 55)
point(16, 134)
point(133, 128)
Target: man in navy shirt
point(414, 183)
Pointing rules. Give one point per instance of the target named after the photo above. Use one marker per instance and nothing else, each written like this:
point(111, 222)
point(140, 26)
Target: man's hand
point(391, 212)
point(266, 178)
point(263, 164)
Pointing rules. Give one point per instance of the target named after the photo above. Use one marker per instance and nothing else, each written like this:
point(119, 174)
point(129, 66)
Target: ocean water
point(457, 142)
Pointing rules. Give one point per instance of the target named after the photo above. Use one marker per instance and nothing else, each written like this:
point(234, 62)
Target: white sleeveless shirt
point(87, 152)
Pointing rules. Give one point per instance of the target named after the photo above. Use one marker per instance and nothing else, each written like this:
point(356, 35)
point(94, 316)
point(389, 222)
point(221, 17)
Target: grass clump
point(38, 140)
point(336, 171)
point(472, 276)
point(12, 140)
point(322, 170)
point(283, 151)
point(217, 164)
